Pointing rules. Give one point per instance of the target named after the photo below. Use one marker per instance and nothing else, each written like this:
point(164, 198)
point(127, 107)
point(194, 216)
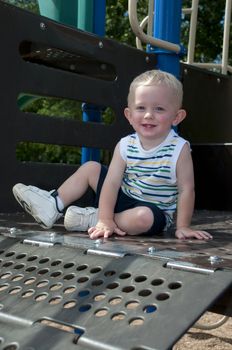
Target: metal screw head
point(151, 250)
point(147, 59)
point(42, 26)
point(100, 44)
point(13, 230)
point(98, 242)
point(215, 259)
point(52, 236)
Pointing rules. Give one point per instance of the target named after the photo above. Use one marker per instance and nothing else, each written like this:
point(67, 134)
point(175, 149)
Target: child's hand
point(105, 228)
point(186, 232)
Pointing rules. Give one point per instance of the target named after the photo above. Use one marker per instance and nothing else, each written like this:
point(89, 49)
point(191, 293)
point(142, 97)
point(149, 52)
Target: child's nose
point(148, 115)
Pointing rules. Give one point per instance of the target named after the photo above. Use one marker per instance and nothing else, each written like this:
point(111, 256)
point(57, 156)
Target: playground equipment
point(60, 290)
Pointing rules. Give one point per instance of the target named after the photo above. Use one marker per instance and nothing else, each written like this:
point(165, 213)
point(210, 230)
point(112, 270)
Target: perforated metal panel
point(59, 297)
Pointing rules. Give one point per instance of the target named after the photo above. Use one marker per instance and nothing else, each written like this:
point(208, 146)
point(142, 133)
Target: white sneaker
point(39, 203)
point(80, 219)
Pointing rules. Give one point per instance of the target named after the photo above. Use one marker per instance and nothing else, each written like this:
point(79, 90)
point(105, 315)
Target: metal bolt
point(215, 259)
point(13, 230)
point(100, 44)
point(147, 59)
point(42, 26)
point(151, 250)
point(97, 242)
point(52, 236)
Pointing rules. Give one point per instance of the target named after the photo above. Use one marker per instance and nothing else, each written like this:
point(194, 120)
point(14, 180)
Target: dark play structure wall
point(36, 56)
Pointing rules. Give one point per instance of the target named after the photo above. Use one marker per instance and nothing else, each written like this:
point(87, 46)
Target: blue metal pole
point(99, 17)
point(92, 113)
point(167, 25)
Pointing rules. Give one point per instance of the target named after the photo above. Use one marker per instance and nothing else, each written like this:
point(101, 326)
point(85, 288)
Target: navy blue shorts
point(125, 202)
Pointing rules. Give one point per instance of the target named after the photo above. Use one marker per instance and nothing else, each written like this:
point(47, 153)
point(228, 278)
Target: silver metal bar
point(183, 266)
point(7, 318)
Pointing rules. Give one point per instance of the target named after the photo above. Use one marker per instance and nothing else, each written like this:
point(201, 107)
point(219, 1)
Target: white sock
point(60, 203)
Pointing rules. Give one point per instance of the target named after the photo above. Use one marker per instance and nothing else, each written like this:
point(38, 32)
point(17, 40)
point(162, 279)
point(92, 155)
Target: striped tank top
point(150, 175)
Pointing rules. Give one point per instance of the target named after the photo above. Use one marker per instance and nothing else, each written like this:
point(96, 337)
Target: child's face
point(153, 112)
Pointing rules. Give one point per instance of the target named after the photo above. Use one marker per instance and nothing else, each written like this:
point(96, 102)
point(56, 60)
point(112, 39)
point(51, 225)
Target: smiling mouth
point(148, 126)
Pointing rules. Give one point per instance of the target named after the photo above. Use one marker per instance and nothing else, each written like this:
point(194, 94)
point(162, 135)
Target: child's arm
point(186, 197)
point(106, 225)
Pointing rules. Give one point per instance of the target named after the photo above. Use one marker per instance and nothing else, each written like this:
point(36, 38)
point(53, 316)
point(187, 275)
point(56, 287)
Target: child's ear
point(127, 114)
point(180, 115)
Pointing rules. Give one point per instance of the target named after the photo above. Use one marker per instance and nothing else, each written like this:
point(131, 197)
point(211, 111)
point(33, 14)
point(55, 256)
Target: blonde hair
point(157, 77)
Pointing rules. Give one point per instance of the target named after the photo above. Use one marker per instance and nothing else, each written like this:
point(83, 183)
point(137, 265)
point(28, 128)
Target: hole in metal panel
point(99, 297)
point(97, 283)
point(44, 260)
point(128, 289)
point(5, 275)
point(41, 297)
point(17, 278)
point(21, 256)
point(109, 273)
point(175, 285)
point(69, 290)
point(30, 280)
point(42, 284)
point(31, 269)
point(68, 277)
point(57, 58)
point(19, 266)
point(83, 293)
point(149, 309)
point(83, 279)
point(95, 269)
point(145, 292)
point(112, 285)
point(56, 262)
point(28, 293)
point(140, 279)
point(157, 282)
point(56, 274)
point(82, 267)
point(118, 316)
point(137, 321)
point(56, 286)
point(131, 305)
point(84, 308)
point(101, 312)
point(8, 263)
point(9, 254)
point(162, 296)
point(115, 301)
point(15, 290)
point(55, 300)
point(124, 275)
point(32, 258)
point(4, 286)
point(43, 271)
point(68, 265)
point(70, 304)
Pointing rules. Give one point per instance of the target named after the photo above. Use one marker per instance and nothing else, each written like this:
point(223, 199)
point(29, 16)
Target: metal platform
point(60, 290)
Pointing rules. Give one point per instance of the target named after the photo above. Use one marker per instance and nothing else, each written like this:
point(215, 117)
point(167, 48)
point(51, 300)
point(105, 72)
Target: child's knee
point(145, 218)
point(91, 167)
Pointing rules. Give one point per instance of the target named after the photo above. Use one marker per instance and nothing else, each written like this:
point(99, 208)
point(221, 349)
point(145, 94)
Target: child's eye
point(140, 108)
point(159, 109)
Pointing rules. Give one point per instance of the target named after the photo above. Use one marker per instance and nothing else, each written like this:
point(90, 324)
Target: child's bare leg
point(135, 221)
point(77, 184)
